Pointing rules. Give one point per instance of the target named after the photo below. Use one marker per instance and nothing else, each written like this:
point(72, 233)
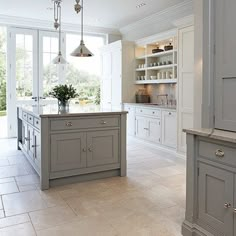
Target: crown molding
point(157, 37)
point(165, 17)
point(184, 22)
point(47, 25)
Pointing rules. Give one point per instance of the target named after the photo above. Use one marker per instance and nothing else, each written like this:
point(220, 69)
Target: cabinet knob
point(90, 149)
point(103, 122)
point(219, 153)
point(234, 210)
point(227, 205)
point(84, 149)
point(68, 124)
point(170, 113)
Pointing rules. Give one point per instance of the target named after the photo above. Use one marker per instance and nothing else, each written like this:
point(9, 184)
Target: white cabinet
point(169, 129)
point(141, 127)
point(130, 120)
point(117, 74)
point(185, 84)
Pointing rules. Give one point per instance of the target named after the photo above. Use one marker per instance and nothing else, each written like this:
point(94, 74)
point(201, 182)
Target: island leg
point(123, 143)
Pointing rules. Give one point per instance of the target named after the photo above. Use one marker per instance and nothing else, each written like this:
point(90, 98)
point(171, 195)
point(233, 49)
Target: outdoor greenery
point(2, 74)
point(63, 93)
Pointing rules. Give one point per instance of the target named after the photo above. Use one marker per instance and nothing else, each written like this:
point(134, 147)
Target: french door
point(31, 75)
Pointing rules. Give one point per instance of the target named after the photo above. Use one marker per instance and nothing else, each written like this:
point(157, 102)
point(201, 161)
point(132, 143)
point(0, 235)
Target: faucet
point(163, 95)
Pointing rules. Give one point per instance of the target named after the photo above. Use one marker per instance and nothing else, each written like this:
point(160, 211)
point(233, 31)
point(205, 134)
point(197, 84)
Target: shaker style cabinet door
point(141, 127)
point(215, 196)
point(37, 149)
point(102, 148)
point(225, 69)
point(169, 129)
point(130, 120)
point(68, 151)
point(154, 130)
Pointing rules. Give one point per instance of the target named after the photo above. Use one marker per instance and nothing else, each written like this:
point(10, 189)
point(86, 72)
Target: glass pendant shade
point(81, 51)
point(59, 59)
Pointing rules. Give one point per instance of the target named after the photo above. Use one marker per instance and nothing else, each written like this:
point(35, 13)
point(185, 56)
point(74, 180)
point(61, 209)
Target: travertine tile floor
point(150, 201)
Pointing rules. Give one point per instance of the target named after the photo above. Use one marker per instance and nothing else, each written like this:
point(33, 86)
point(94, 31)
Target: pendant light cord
point(59, 6)
point(82, 21)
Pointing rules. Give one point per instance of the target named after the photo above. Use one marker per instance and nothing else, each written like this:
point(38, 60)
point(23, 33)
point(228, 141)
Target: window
point(84, 73)
point(3, 36)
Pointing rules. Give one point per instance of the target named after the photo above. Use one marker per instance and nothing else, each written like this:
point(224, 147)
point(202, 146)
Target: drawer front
point(24, 115)
point(30, 119)
point(37, 123)
point(148, 112)
point(216, 152)
point(84, 123)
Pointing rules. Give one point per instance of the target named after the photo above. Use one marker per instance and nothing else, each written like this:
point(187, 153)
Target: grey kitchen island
point(82, 144)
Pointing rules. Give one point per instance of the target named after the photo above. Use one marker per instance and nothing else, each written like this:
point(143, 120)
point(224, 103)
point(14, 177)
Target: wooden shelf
point(161, 67)
point(158, 81)
point(159, 54)
point(141, 69)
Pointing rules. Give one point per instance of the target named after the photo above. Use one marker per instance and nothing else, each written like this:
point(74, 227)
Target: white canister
point(163, 75)
point(158, 75)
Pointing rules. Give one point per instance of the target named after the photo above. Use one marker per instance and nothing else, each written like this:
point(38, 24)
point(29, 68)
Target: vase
point(63, 106)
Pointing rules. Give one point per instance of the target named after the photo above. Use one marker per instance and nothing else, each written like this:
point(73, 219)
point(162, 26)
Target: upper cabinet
point(117, 74)
point(156, 62)
point(225, 69)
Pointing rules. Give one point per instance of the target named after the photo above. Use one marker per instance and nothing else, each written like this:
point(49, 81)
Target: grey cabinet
point(215, 199)
point(24, 136)
point(225, 70)
point(37, 149)
point(31, 142)
point(102, 148)
point(68, 151)
point(130, 120)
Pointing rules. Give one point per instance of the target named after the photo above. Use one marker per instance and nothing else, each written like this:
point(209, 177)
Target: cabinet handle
point(34, 146)
point(234, 210)
point(146, 128)
point(170, 113)
point(219, 153)
point(103, 122)
point(27, 139)
point(68, 124)
point(90, 149)
point(227, 205)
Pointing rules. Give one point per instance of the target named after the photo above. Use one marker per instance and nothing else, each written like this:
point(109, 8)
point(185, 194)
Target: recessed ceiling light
point(141, 5)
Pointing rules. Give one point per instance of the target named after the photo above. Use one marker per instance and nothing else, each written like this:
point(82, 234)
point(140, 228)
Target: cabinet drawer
point(24, 115)
point(36, 123)
point(148, 112)
point(84, 123)
point(216, 152)
point(30, 119)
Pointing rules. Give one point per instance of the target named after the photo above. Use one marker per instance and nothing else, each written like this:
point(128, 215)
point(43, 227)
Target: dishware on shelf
point(163, 74)
point(153, 77)
point(158, 75)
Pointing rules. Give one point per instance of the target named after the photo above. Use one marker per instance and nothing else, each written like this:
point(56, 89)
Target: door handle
point(227, 205)
point(35, 99)
point(42, 98)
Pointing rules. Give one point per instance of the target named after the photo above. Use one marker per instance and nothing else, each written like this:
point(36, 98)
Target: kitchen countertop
point(221, 135)
point(51, 110)
point(153, 106)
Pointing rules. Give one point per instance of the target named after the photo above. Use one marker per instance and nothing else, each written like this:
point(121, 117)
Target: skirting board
point(189, 229)
point(84, 178)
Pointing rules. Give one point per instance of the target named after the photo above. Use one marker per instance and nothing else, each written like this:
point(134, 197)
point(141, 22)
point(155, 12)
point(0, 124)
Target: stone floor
point(150, 201)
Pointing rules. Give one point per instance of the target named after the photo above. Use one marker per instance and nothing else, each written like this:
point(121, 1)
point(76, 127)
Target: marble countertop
point(222, 135)
point(51, 110)
point(153, 106)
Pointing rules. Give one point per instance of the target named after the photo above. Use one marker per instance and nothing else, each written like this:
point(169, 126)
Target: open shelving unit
point(161, 66)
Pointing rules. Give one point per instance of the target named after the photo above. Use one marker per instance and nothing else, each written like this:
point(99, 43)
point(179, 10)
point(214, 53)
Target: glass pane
point(46, 44)
point(54, 45)
point(28, 59)
point(20, 41)
point(46, 59)
point(28, 43)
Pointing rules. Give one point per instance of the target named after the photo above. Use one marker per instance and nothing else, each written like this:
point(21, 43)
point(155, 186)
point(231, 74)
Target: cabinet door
point(141, 127)
point(215, 190)
point(106, 79)
point(154, 130)
point(103, 147)
point(169, 129)
point(24, 136)
point(68, 151)
point(37, 148)
point(116, 86)
point(130, 120)
point(225, 69)
point(31, 142)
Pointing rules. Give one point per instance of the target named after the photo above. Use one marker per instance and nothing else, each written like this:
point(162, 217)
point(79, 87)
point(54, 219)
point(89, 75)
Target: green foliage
point(63, 92)
point(2, 72)
point(98, 97)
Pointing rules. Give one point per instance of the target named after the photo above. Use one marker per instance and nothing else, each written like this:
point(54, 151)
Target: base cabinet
point(211, 186)
point(169, 129)
point(215, 199)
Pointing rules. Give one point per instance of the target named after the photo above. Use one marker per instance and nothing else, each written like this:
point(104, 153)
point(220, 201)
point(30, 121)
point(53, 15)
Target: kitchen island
point(82, 144)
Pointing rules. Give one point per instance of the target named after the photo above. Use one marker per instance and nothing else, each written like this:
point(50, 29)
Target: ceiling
point(103, 13)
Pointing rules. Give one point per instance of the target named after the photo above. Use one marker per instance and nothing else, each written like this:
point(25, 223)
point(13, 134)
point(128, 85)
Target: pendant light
point(57, 25)
point(82, 50)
